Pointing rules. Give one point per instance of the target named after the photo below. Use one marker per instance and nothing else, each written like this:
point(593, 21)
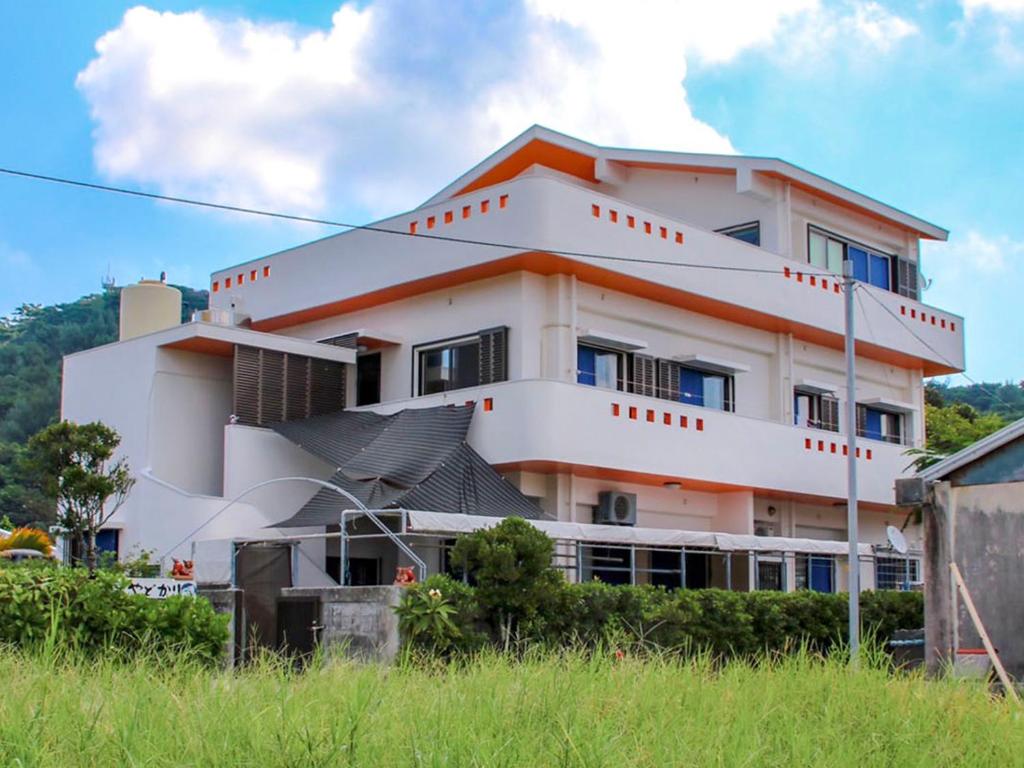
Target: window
point(464, 362)
point(705, 388)
point(815, 572)
point(896, 572)
point(748, 233)
point(827, 251)
point(769, 575)
point(879, 424)
point(598, 367)
point(612, 565)
point(666, 568)
point(453, 366)
point(368, 379)
point(815, 410)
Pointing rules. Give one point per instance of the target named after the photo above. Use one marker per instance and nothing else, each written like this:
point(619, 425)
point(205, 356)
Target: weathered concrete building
point(973, 510)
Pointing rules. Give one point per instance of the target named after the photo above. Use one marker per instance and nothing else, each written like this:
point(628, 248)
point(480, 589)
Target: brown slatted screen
point(346, 340)
point(271, 387)
point(296, 387)
point(247, 383)
point(326, 387)
point(493, 355)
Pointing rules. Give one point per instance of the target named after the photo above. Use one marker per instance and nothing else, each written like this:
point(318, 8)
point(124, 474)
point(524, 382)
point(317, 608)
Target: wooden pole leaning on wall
point(985, 640)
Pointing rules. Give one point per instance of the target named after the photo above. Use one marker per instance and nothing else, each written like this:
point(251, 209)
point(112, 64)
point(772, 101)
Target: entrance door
point(262, 571)
point(298, 625)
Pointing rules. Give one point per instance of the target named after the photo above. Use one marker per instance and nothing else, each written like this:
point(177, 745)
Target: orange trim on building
point(550, 264)
point(536, 152)
point(688, 484)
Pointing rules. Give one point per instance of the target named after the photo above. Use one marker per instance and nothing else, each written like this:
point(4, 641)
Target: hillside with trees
point(33, 340)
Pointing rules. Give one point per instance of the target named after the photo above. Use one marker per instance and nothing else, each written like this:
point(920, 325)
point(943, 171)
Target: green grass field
point(569, 710)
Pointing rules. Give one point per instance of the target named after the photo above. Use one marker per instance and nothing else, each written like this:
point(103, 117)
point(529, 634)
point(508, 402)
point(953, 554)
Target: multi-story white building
point(659, 324)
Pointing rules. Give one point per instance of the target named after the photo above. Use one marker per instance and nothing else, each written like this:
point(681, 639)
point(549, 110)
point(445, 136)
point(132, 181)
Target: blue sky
point(359, 110)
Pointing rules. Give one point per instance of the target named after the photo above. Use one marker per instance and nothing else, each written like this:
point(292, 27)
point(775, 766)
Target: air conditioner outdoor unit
point(614, 508)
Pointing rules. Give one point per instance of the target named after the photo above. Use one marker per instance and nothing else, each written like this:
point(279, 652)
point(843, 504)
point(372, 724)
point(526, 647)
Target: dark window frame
point(735, 229)
point(728, 396)
point(892, 259)
point(886, 413)
point(817, 403)
point(420, 349)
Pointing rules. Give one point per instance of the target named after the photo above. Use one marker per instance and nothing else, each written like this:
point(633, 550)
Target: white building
point(660, 324)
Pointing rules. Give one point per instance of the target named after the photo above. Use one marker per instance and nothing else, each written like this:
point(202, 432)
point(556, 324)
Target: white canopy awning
point(625, 535)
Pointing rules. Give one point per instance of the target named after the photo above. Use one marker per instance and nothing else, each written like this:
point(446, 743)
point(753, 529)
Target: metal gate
point(298, 625)
point(262, 570)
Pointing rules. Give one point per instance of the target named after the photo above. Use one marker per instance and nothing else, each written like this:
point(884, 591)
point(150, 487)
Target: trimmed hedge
point(722, 622)
point(44, 604)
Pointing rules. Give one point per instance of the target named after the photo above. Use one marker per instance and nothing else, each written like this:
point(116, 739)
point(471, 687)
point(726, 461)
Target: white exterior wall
point(559, 441)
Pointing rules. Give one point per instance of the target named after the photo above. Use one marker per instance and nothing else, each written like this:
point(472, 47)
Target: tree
point(952, 428)
point(73, 465)
point(511, 567)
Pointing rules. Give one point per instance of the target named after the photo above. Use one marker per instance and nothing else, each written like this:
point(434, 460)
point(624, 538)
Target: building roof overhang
point(595, 164)
point(215, 339)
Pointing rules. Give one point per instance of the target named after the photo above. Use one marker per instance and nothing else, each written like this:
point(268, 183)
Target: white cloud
point(393, 100)
point(1005, 7)
point(972, 254)
point(879, 26)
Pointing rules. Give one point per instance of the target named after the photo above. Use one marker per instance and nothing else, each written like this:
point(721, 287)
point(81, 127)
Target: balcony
point(552, 426)
point(635, 250)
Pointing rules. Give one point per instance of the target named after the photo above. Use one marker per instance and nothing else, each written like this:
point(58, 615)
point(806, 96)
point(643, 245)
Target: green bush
point(44, 604)
point(510, 566)
point(727, 624)
point(517, 595)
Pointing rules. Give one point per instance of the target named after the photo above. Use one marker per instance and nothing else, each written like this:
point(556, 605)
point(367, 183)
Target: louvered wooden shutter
point(326, 387)
point(271, 401)
point(644, 380)
point(830, 413)
point(246, 386)
point(668, 380)
point(906, 278)
point(494, 355)
point(346, 340)
point(274, 386)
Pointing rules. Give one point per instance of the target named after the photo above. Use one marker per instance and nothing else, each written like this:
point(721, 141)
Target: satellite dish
point(896, 539)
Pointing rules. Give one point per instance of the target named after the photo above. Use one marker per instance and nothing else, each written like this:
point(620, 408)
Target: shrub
point(27, 538)
point(726, 624)
point(510, 566)
point(69, 608)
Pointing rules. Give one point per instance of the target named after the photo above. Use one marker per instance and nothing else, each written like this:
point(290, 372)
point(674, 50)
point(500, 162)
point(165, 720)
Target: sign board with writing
point(158, 589)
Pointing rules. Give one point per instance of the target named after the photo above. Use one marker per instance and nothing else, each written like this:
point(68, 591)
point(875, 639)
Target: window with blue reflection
point(879, 271)
point(708, 390)
point(597, 367)
point(859, 257)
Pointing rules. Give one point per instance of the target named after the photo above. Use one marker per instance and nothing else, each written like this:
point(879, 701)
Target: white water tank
point(148, 306)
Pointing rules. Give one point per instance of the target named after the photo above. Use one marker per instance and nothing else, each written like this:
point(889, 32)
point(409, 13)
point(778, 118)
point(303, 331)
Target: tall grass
point(565, 710)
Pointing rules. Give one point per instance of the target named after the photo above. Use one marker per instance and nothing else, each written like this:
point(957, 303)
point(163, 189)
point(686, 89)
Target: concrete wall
point(358, 622)
point(982, 527)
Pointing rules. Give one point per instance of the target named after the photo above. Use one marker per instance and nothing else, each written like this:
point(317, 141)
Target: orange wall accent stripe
point(550, 264)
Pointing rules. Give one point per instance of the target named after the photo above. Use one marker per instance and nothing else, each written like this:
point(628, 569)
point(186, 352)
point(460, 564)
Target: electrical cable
point(384, 230)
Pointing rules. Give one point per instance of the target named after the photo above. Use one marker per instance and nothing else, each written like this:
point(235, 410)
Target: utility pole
point(851, 464)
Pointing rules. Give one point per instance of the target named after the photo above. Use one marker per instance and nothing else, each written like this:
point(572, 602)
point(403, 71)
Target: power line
point(938, 354)
point(384, 230)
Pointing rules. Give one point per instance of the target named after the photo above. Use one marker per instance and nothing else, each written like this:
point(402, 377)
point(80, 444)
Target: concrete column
point(939, 608)
point(558, 338)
